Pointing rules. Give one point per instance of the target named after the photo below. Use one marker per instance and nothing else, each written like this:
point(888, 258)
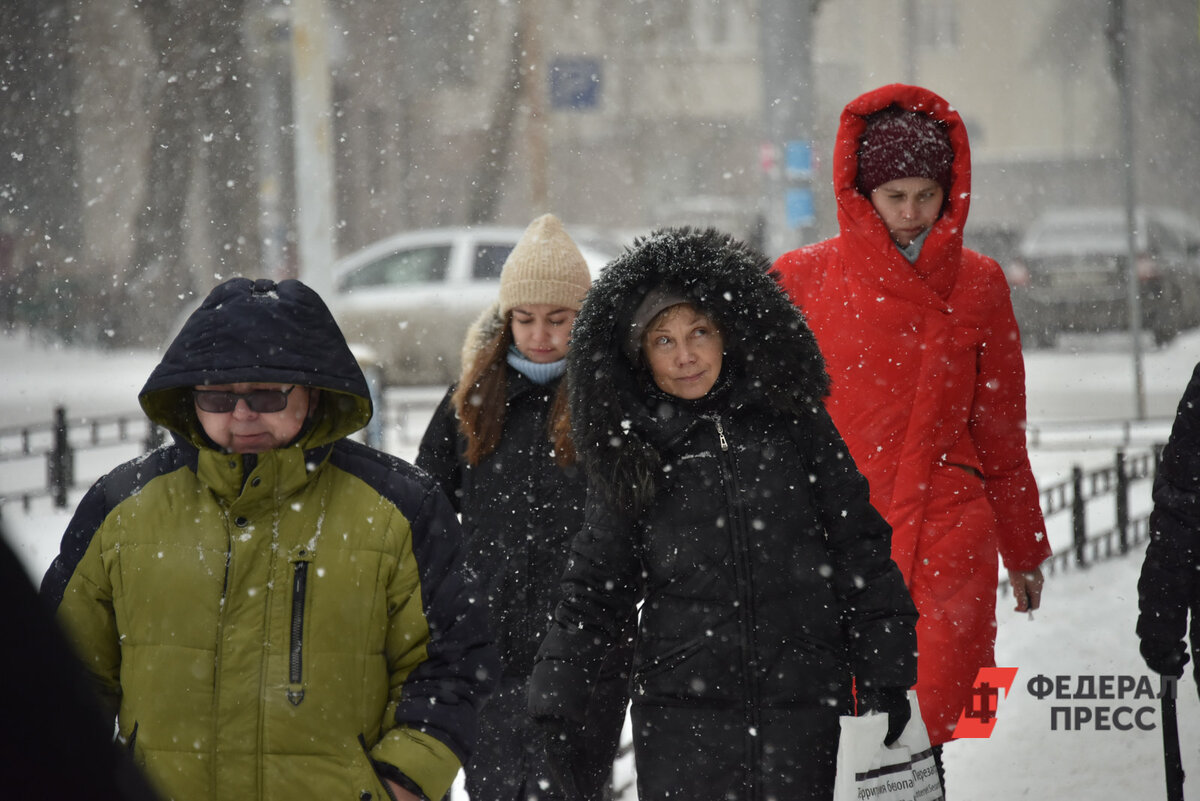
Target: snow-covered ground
point(1084, 632)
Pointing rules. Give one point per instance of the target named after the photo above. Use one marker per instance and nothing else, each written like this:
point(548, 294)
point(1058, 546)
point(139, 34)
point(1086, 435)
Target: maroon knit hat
point(903, 144)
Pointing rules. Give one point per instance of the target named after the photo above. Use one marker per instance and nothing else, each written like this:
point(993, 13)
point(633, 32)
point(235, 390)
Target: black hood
point(259, 330)
point(771, 357)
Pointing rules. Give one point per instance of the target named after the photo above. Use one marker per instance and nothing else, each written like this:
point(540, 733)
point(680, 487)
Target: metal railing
point(56, 444)
point(1074, 494)
point(1093, 434)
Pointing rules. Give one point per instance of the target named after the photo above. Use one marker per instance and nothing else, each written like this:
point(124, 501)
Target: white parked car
point(406, 301)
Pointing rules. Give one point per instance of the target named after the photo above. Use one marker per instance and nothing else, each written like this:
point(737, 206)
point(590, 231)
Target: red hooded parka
point(929, 394)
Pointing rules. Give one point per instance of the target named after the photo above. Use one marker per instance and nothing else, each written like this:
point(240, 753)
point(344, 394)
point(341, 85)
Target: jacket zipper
point(295, 691)
point(738, 530)
point(219, 658)
point(721, 434)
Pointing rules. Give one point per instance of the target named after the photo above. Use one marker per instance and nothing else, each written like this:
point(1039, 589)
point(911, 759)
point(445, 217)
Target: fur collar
point(773, 358)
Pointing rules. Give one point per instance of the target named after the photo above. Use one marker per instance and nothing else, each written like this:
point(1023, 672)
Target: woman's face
point(684, 350)
point(541, 331)
point(908, 207)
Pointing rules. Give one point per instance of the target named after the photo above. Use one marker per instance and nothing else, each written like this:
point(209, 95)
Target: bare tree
point(199, 111)
point(497, 147)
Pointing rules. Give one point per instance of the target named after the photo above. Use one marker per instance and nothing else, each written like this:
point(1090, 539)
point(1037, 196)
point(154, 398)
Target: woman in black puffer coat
point(723, 501)
point(500, 447)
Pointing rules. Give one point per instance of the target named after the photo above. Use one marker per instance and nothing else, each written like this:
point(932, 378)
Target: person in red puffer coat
point(928, 380)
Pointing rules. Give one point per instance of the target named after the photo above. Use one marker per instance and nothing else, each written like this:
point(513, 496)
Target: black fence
point(1074, 494)
point(55, 446)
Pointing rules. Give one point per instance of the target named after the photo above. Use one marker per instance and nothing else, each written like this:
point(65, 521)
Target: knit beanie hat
point(903, 144)
point(545, 267)
point(656, 300)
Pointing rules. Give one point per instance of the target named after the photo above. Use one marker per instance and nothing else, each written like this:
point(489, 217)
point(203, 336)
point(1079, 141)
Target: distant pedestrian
point(1169, 586)
point(271, 610)
point(928, 380)
point(500, 446)
point(723, 505)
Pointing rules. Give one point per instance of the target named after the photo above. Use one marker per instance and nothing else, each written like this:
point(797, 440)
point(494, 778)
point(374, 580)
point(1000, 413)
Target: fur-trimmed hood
point(771, 361)
point(482, 331)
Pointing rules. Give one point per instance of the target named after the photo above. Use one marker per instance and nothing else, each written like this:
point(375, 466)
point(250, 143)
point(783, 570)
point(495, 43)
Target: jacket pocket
point(372, 787)
point(647, 672)
point(131, 741)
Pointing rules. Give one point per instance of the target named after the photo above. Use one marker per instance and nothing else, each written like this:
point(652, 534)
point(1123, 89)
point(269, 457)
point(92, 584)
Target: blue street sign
point(798, 159)
point(574, 83)
point(799, 207)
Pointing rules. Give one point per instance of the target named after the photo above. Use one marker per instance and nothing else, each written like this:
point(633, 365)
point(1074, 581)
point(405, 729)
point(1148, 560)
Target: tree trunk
point(497, 145)
point(199, 108)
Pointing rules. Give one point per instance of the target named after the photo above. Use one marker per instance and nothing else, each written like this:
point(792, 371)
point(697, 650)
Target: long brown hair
point(481, 403)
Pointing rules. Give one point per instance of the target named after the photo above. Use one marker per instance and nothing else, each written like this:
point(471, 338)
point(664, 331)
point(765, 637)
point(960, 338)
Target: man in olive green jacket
point(271, 610)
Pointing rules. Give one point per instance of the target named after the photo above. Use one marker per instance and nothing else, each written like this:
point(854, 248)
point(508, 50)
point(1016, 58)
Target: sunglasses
point(262, 401)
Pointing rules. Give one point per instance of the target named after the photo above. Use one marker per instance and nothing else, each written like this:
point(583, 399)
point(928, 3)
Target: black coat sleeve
point(439, 450)
point(602, 585)
point(1167, 587)
point(443, 694)
point(878, 611)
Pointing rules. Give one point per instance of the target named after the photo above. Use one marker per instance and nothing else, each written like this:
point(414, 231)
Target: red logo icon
point(978, 718)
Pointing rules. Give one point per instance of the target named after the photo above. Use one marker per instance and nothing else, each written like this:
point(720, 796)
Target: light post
point(312, 111)
point(1118, 33)
point(788, 99)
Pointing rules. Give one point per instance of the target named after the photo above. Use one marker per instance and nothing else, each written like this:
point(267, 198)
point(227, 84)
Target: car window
point(489, 261)
point(412, 266)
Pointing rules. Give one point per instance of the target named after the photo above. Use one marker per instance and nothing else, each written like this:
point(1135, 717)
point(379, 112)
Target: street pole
point(1119, 42)
point(788, 100)
point(911, 32)
point(535, 80)
point(312, 111)
point(268, 30)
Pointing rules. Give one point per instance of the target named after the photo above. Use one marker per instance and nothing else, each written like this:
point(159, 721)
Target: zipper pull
point(721, 434)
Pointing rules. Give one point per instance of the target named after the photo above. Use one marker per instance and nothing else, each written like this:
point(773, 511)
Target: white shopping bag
point(867, 770)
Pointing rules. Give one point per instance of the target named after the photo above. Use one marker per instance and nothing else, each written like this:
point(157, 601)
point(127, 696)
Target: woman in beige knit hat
point(500, 446)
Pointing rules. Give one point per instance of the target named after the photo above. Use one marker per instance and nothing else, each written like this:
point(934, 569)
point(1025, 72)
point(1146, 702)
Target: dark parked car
point(1071, 273)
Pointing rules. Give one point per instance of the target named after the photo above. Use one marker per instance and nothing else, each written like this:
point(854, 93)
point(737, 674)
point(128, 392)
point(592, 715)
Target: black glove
point(559, 737)
point(1165, 658)
point(893, 701)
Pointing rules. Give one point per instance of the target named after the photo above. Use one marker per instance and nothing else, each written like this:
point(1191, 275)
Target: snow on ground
point(1085, 630)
